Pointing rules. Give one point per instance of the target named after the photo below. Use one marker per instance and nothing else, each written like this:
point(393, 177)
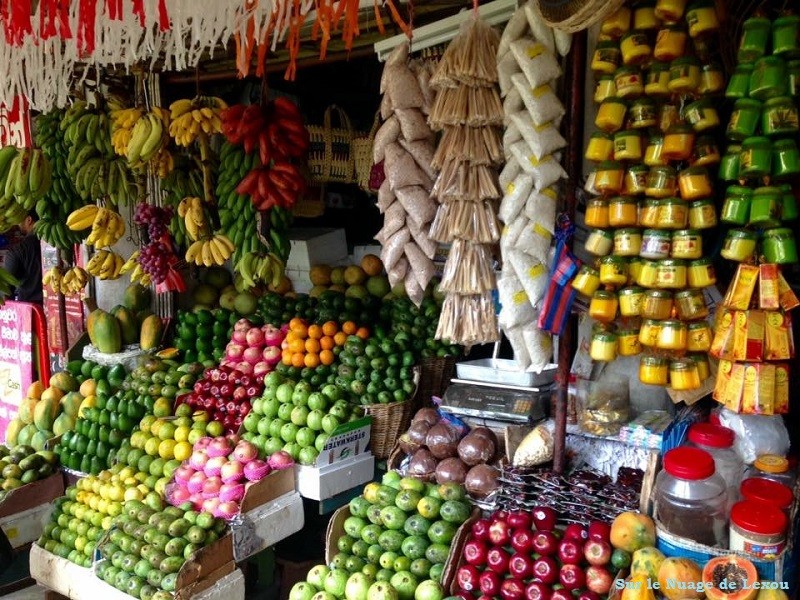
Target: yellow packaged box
point(781, 389)
point(759, 389)
point(778, 337)
point(740, 292)
point(722, 344)
point(768, 289)
point(788, 298)
point(735, 388)
point(723, 377)
point(748, 336)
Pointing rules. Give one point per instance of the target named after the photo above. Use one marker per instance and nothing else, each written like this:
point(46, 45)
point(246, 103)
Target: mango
point(679, 579)
point(631, 531)
point(647, 561)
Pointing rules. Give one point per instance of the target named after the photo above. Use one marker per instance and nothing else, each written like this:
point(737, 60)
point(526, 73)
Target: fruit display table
point(24, 510)
point(262, 527)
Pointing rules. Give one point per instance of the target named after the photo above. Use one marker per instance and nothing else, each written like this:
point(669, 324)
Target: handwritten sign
point(16, 356)
point(15, 124)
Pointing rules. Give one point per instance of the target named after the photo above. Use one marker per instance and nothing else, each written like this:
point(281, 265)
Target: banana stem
point(205, 165)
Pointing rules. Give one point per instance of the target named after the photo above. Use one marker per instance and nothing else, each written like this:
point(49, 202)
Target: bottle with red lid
point(718, 442)
point(691, 498)
point(766, 491)
point(758, 529)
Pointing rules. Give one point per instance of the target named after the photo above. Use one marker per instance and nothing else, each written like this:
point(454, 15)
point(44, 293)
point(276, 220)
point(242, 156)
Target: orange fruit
point(314, 332)
point(301, 331)
point(297, 346)
point(326, 357)
point(311, 360)
point(287, 358)
point(298, 359)
point(327, 343)
point(340, 338)
point(297, 324)
point(363, 333)
point(330, 328)
point(349, 328)
point(312, 346)
point(291, 335)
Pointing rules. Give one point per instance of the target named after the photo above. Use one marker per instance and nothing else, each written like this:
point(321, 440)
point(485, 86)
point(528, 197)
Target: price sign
point(15, 124)
point(16, 356)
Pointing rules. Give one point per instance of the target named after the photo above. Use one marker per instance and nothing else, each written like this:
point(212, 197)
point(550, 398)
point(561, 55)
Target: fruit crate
point(32, 495)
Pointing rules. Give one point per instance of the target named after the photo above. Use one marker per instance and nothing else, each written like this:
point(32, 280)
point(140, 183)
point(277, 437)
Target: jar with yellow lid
point(611, 115)
point(755, 159)
point(683, 375)
point(654, 370)
point(628, 342)
point(765, 207)
point(603, 347)
point(635, 47)
point(769, 78)
point(604, 88)
point(649, 333)
point(753, 43)
point(779, 117)
point(702, 18)
point(712, 80)
point(657, 304)
point(739, 245)
point(702, 115)
point(691, 305)
point(587, 281)
point(627, 242)
point(670, 43)
point(648, 213)
point(603, 306)
point(702, 214)
point(643, 113)
point(672, 214)
point(648, 274)
point(678, 142)
point(673, 335)
point(744, 119)
point(635, 181)
point(700, 337)
point(617, 23)
point(788, 203)
point(606, 58)
point(684, 75)
point(597, 213)
point(630, 301)
point(599, 242)
point(623, 212)
point(629, 82)
point(705, 152)
point(662, 182)
point(668, 115)
point(653, 154)
point(635, 265)
point(736, 207)
point(687, 244)
point(739, 83)
point(729, 164)
point(695, 183)
point(701, 362)
point(628, 145)
point(671, 274)
point(773, 467)
point(608, 177)
point(656, 244)
point(670, 10)
point(600, 147)
point(613, 271)
point(701, 273)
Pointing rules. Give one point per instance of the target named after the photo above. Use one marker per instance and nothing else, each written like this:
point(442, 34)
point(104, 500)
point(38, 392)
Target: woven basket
point(576, 15)
point(389, 422)
point(330, 154)
point(435, 376)
point(362, 155)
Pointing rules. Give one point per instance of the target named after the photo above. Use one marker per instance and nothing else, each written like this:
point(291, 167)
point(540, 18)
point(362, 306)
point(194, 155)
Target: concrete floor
point(34, 592)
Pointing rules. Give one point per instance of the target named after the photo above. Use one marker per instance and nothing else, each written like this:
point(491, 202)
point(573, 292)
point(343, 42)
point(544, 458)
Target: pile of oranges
point(314, 345)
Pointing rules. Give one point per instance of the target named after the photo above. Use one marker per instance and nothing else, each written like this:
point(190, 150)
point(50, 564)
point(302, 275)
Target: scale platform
point(493, 404)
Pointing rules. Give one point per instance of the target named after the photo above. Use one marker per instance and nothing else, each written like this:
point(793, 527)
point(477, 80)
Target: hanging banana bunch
point(105, 265)
point(107, 225)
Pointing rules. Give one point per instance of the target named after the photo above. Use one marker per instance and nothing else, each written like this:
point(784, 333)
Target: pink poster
point(16, 356)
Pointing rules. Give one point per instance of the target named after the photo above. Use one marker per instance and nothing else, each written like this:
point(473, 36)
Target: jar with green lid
point(611, 114)
point(603, 347)
point(683, 375)
point(670, 10)
point(657, 80)
point(657, 304)
point(656, 244)
point(779, 117)
point(653, 154)
point(628, 342)
point(630, 301)
point(600, 147)
point(684, 75)
point(643, 113)
point(604, 88)
point(765, 207)
point(701, 273)
point(695, 183)
point(599, 242)
point(753, 43)
point(702, 18)
point(613, 270)
point(649, 332)
point(744, 119)
point(635, 47)
point(690, 305)
point(670, 42)
point(606, 58)
point(635, 265)
point(769, 78)
point(786, 35)
point(729, 164)
point(712, 80)
point(635, 180)
point(678, 142)
point(644, 15)
point(739, 83)
point(647, 274)
point(779, 246)
point(701, 115)
point(736, 208)
point(755, 159)
point(608, 177)
point(739, 245)
point(628, 82)
point(673, 213)
point(793, 69)
point(673, 335)
point(628, 145)
point(785, 159)
point(603, 306)
point(702, 214)
point(700, 337)
point(654, 370)
point(705, 152)
point(687, 244)
point(587, 281)
point(596, 213)
point(700, 360)
point(668, 115)
point(788, 203)
point(623, 211)
point(671, 274)
point(662, 182)
point(617, 23)
point(649, 213)
point(627, 242)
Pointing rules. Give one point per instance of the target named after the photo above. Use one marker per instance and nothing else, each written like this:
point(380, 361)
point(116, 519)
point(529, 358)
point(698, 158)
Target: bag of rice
point(417, 204)
point(540, 29)
point(517, 341)
point(541, 102)
point(509, 173)
point(510, 135)
point(546, 172)
point(421, 266)
point(393, 219)
point(413, 124)
point(539, 345)
point(402, 87)
point(393, 249)
point(515, 307)
point(510, 235)
point(563, 42)
point(537, 62)
point(516, 195)
point(414, 290)
point(543, 140)
point(532, 274)
point(425, 243)
point(506, 67)
point(514, 29)
point(387, 133)
point(402, 170)
point(534, 240)
point(385, 196)
point(387, 110)
point(512, 103)
point(398, 272)
point(541, 208)
point(422, 151)
point(424, 79)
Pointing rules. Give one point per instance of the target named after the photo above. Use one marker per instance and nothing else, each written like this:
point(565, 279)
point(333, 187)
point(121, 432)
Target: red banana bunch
point(279, 184)
point(276, 130)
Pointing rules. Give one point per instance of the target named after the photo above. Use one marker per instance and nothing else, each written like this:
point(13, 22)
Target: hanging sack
point(330, 155)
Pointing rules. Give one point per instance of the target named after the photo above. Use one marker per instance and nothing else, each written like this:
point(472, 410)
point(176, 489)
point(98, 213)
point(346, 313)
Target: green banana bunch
point(185, 181)
point(237, 214)
point(25, 177)
point(7, 283)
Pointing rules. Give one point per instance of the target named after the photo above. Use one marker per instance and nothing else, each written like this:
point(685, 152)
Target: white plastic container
point(718, 442)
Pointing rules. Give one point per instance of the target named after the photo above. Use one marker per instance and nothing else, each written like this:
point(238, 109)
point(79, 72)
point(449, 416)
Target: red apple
point(598, 579)
point(499, 533)
point(588, 595)
point(545, 569)
point(571, 577)
point(467, 578)
point(500, 515)
point(519, 519)
point(489, 583)
point(520, 566)
point(597, 552)
point(475, 553)
point(545, 543)
point(497, 560)
point(561, 594)
point(480, 529)
point(536, 590)
point(544, 518)
point(569, 552)
point(576, 532)
point(600, 531)
point(522, 540)
point(512, 589)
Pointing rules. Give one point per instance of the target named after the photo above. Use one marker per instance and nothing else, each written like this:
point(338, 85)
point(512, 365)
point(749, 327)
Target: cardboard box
point(311, 247)
point(322, 483)
point(25, 527)
point(32, 495)
point(273, 486)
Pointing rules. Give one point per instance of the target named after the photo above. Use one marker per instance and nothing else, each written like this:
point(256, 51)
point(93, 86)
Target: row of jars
point(667, 274)
point(669, 335)
point(756, 38)
point(770, 77)
point(763, 207)
point(616, 113)
point(659, 80)
point(692, 183)
point(657, 304)
point(778, 245)
point(758, 157)
point(667, 213)
point(653, 244)
point(648, 16)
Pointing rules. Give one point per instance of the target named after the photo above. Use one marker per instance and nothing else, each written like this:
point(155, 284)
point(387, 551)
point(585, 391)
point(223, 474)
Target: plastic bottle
point(718, 442)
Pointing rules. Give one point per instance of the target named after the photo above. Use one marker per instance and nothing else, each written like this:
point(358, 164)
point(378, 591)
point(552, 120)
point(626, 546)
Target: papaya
point(136, 297)
point(88, 388)
point(35, 390)
point(152, 330)
point(64, 423)
point(52, 393)
point(637, 587)
point(647, 560)
point(106, 331)
point(738, 573)
point(45, 413)
point(127, 323)
point(26, 434)
point(71, 403)
point(88, 402)
point(142, 315)
point(680, 578)
point(12, 431)
point(64, 382)
point(40, 438)
point(26, 407)
point(769, 591)
point(631, 531)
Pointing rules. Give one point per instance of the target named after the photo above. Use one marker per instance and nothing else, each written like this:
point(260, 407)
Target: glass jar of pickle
point(653, 154)
point(779, 246)
point(635, 181)
point(628, 342)
point(769, 78)
point(712, 80)
point(701, 273)
point(684, 75)
point(649, 333)
point(630, 301)
point(617, 23)
point(599, 242)
point(702, 18)
point(691, 305)
point(627, 242)
point(687, 244)
point(644, 15)
point(785, 159)
point(671, 274)
point(604, 88)
point(670, 10)
point(603, 306)
point(662, 182)
point(683, 375)
point(705, 152)
point(623, 212)
point(600, 147)
point(755, 159)
point(635, 47)
point(606, 58)
point(643, 113)
point(739, 83)
point(729, 164)
point(672, 214)
point(613, 271)
point(611, 115)
point(587, 281)
point(649, 213)
point(765, 207)
point(628, 82)
point(701, 362)
point(597, 213)
point(656, 244)
point(647, 274)
point(603, 347)
point(657, 304)
point(700, 337)
point(739, 245)
point(670, 43)
point(753, 43)
point(695, 183)
point(779, 117)
point(673, 335)
point(608, 177)
point(702, 214)
point(627, 145)
point(635, 265)
point(736, 208)
point(657, 80)
point(654, 370)
point(702, 115)
point(678, 142)
point(744, 119)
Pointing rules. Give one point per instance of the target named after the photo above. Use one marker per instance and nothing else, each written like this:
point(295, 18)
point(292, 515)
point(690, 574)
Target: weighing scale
point(481, 403)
